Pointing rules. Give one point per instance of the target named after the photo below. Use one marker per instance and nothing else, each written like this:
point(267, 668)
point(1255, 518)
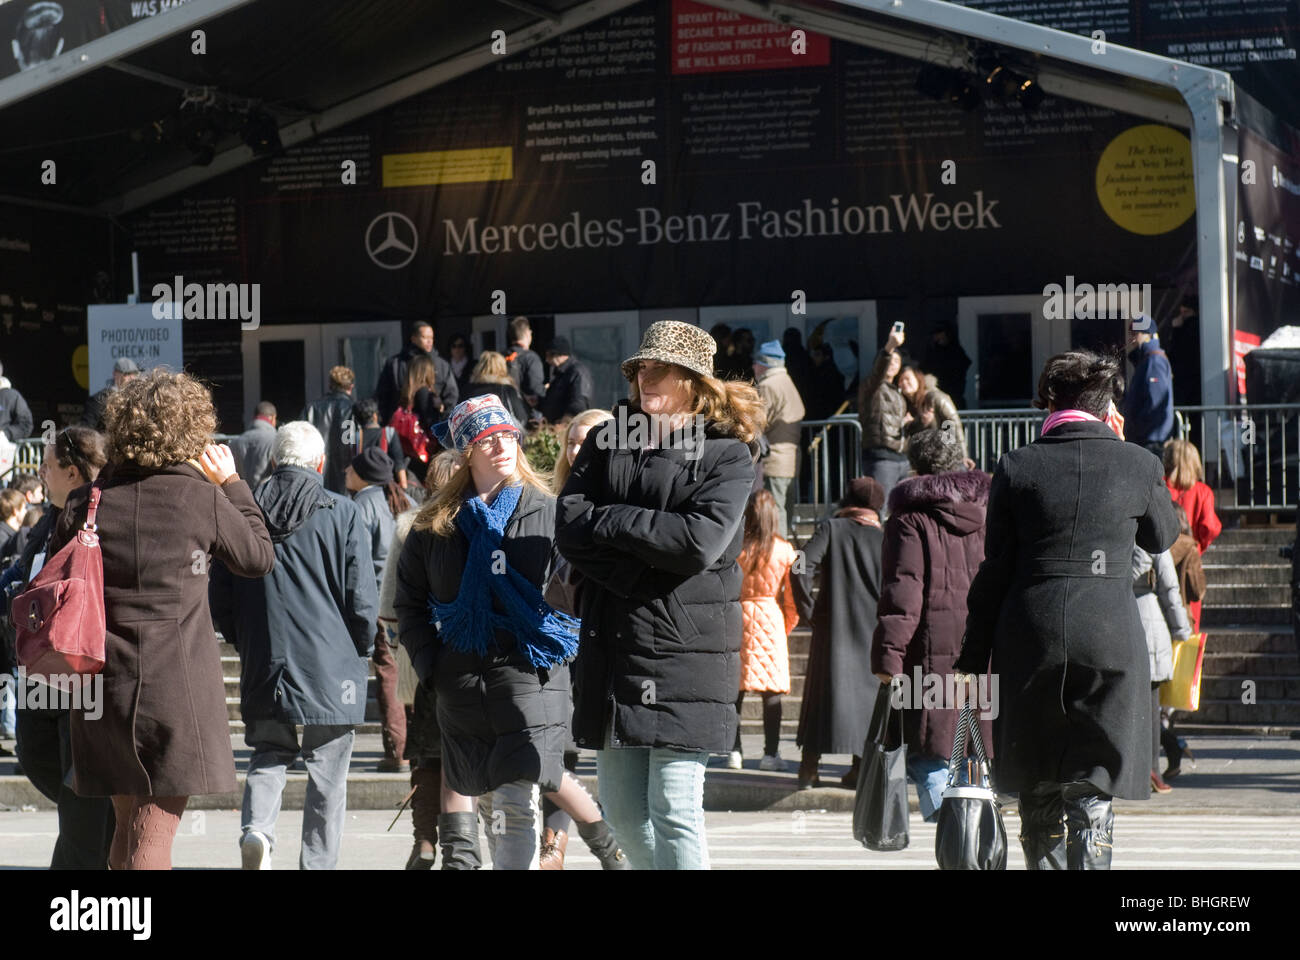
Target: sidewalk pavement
point(1232, 775)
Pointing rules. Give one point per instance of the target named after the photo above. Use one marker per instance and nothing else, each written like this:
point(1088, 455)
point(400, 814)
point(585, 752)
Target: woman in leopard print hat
point(651, 518)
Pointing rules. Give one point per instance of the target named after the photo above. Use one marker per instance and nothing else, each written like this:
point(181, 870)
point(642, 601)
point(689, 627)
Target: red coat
point(1198, 501)
point(767, 604)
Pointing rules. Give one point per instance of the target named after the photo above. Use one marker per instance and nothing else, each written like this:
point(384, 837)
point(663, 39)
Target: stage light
point(261, 133)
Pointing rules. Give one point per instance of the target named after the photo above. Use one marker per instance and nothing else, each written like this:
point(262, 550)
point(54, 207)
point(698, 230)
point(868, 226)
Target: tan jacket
point(785, 411)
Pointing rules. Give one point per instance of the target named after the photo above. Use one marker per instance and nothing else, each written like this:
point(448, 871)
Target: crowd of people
point(624, 601)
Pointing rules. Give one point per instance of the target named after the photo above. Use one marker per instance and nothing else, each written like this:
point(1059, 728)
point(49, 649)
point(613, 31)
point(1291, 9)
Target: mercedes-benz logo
point(393, 245)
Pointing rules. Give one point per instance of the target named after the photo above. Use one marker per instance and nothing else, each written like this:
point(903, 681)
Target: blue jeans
point(886, 470)
point(654, 799)
point(930, 774)
point(510, 823)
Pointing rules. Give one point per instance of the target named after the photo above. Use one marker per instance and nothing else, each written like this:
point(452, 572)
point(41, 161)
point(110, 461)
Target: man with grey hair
point(304, 632)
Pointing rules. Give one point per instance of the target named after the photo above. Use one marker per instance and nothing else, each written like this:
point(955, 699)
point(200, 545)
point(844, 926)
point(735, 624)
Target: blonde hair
point(342, 378)
point(440, 470)
point(438, 515)
point(733, 405)
point(588, 418)
point(1182, 464)
point(491, 368)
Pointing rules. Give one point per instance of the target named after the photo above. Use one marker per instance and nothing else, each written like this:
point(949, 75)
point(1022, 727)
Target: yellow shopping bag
point(1183, 690)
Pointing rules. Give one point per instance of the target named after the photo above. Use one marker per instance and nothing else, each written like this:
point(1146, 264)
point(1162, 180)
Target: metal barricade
point(832, 453)
point(1251, 453)
point(27, 459)
point(991, 433)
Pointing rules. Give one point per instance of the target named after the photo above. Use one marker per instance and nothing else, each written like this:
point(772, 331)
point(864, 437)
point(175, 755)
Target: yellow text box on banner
point(448, 166)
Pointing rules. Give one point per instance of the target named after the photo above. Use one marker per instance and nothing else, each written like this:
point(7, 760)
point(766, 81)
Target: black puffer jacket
point(656, 534)
point(502, 719)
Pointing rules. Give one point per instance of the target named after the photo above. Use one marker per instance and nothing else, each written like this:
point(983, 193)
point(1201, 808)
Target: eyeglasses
point(507, 438)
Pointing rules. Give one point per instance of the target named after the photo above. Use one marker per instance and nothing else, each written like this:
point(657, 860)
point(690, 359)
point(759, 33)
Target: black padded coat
point(655, 534)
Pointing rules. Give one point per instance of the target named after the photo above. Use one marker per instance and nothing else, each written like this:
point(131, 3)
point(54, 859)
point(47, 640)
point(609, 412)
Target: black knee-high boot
point(1042, 828)
point(1091, 823)
point(458, 837)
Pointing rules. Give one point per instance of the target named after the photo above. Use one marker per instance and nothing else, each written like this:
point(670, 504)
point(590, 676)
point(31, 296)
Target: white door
point(849, 327)
point(289, 365)
point(488, 332)
point(766, 321)
point(602, 341)
point(1009, 341)
point(282, 364)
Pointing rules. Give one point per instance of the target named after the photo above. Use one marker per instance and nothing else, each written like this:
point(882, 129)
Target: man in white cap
point(785, 411)
point(124, 369)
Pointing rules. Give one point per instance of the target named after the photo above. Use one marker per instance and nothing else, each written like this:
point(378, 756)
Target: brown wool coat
point(164, 729)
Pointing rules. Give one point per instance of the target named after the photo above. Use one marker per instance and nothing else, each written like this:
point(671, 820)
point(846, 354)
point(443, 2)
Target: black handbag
point(880, 806)
point(970, 834)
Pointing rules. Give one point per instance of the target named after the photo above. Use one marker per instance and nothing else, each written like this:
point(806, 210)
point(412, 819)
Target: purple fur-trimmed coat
point(934, 543)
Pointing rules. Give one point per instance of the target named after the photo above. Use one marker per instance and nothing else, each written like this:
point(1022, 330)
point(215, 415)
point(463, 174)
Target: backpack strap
point(383, 438)
point(93, 509)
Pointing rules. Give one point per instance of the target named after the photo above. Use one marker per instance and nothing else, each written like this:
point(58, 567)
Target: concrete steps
point(1251, 676)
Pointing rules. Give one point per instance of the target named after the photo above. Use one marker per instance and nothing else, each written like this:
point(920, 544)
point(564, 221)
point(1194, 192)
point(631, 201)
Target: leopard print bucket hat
point(671, 341)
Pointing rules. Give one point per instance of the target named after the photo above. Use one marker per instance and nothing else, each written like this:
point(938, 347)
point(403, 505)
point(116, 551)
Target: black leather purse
point(880, 806)
point(970, 834)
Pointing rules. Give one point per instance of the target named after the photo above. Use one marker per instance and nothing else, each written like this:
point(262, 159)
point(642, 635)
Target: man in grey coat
point(368, 476)
point(305, 632)
point(252, 448)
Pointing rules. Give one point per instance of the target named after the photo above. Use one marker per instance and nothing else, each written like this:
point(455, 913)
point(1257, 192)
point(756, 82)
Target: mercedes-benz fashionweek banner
point(637, 163)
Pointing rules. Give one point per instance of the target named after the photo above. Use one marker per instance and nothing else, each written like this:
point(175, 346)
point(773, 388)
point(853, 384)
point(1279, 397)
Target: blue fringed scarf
point(467, 624)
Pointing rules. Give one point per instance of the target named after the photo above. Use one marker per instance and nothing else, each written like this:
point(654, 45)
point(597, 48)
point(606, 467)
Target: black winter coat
point(1053, 604)
point(934, 542)
point(502, 719)
point(839, 689)
point(655, 535)
point(392, 380)
point(328, 415)
point(569, 392)
point(304, 631)
point(15, 415)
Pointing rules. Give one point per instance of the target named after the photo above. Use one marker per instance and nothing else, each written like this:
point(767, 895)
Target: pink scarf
point(1113, 420)
point(1066, 416)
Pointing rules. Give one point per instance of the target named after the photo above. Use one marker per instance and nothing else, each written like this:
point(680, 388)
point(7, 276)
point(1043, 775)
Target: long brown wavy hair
point(761, 523)
point(733, 405)
point(438, 515)
point(421, 373)
point(158, 419)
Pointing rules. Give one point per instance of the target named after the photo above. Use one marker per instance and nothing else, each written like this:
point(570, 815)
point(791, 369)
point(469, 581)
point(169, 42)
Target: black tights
point(771, 722)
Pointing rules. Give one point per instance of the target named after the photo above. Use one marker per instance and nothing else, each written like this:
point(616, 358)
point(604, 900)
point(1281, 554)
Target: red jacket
point(1198, 501)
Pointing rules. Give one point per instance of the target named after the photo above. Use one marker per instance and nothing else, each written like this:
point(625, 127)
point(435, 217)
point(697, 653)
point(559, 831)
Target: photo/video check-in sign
point(130, 330)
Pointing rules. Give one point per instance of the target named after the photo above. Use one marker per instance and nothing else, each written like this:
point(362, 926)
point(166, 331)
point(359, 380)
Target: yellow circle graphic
point(1144, 180)
point(81, 366)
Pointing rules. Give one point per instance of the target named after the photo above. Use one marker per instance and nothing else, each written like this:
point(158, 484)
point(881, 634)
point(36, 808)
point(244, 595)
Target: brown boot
point(554, 844)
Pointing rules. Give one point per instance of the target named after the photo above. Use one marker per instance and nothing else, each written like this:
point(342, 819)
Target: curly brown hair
point(158, 419)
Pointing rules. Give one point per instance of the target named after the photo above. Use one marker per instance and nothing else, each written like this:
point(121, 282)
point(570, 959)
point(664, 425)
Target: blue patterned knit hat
point(472, 420)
